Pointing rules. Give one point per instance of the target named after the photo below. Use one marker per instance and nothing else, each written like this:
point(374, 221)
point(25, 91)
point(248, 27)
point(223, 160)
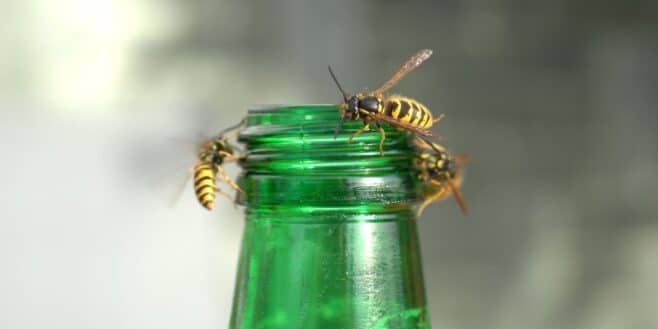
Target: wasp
point(399, 111)
point(442, 173)
point(212, 155)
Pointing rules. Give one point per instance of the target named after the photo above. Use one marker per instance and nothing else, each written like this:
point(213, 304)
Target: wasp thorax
point(441, 166)
point(369, 103)
point(450, 168)
point(447, 167)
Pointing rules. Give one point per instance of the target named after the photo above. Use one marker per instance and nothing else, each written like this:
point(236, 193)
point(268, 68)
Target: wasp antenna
point(231, 128)
point(462, 158)
point(333, 76)
point(340, 126)
point(429, 143)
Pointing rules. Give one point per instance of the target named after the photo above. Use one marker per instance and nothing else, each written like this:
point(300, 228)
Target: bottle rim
point(293, 162)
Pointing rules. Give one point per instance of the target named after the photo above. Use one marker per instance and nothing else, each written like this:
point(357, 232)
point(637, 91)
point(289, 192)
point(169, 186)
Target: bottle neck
point(329, 241)
point(295, 167)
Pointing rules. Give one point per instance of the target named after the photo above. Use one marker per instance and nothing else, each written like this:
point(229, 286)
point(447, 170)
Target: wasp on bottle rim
point(441, 173)
point(212, 154)
point(398, 111)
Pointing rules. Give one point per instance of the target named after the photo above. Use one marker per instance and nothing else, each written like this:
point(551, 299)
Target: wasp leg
point(426, 203)
point(231, 135)
point(237, 148)
point(450, 188)
point(228, 196)
point(233, 129)
point(229, 156)
point(228, 180)
point(358, 132)
point(226, 137)
point(381, 140)
point(441, 192)
point(438, 118)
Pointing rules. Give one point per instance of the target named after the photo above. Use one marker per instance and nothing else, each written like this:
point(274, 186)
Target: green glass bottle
point(330, 239)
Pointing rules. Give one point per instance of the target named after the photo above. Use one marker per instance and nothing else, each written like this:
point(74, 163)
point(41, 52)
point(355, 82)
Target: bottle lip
point(301, 139)
point(293, 157)
point(268, 108)
point(271, 119)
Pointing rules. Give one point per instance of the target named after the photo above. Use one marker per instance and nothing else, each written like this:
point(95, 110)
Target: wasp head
point(211, 151)
point(207, 151)
point(450, 168)
point(443, 167)
point(351, 108)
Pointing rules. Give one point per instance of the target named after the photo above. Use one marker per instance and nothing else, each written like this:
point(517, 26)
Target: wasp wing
point(411, 63)
point(458, 196)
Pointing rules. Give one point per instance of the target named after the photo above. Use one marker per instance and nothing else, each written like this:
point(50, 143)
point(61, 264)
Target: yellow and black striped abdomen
point(204, 184)
point(408, 111)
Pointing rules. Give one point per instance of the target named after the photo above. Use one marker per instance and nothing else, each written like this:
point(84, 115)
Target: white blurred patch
point(82, 50)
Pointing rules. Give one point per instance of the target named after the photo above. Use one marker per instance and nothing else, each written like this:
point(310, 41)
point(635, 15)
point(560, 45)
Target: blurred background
point(555, 101)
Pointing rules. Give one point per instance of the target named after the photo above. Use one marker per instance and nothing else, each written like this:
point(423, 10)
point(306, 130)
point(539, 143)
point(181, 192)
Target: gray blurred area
point(556, 103)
